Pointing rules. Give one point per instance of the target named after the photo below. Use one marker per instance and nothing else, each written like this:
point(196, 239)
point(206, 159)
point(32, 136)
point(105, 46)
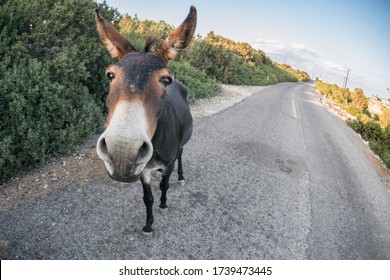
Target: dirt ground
point(83, 165)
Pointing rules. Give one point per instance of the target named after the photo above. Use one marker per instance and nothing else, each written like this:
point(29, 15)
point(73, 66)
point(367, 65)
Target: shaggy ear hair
point(149, 42)
point(115, 42)
point(179, 39)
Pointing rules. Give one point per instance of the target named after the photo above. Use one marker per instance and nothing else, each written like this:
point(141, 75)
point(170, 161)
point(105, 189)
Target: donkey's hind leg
point(182, 182)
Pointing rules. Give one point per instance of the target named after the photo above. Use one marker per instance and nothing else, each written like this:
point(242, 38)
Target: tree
point(384, 119)
point(359, 99)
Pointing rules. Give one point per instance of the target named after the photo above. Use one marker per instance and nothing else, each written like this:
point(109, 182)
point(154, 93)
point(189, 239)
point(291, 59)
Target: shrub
point(356, 125)
point(198, 84)
point(40, 118)
point(372, 132)
point(379, 140)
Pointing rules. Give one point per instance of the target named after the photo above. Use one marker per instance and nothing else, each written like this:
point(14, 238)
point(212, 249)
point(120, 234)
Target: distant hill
point(302, 76)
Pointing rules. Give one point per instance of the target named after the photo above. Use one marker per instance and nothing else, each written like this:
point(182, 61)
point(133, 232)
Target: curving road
point(273, 177)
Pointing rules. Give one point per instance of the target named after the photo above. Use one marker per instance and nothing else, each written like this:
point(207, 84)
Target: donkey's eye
point(110, 76)
point(166, 81)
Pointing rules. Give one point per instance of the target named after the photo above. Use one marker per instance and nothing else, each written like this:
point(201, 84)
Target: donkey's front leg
point(148, 200)
point(180, 169)
point(164, 186)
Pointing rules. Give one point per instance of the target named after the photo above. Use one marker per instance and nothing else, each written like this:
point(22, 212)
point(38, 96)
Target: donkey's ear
point(115, 42)
point(179, 39)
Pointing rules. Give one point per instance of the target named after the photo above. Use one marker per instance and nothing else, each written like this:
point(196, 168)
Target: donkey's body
point(174, 129)
point(149, 120)
point(174, 125)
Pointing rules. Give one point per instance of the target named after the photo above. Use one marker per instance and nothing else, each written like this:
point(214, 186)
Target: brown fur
point(115, 93)
point(179, 39)
point(115, 43)
point(153, 98)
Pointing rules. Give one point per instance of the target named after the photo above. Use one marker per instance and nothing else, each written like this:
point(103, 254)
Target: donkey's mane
point(149, 43)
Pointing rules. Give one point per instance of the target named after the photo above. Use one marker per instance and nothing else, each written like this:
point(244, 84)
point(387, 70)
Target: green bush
point(372, 132)
point(51, 79)
point(198, 84)
point(40, 118)
point(379, 140)
point(356, 125)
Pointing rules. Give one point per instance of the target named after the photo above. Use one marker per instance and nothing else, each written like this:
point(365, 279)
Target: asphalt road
point(273, 177)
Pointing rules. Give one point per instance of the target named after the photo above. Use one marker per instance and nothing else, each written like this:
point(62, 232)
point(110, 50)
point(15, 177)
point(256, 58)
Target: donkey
point(149, 120)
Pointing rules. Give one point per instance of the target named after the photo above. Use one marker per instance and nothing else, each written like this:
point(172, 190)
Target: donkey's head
point(138, 83)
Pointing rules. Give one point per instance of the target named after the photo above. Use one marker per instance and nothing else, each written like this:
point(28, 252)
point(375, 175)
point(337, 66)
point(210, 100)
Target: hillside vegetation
point(301, 76)
point(52, 67)
point(220, 60)
point(372, 128)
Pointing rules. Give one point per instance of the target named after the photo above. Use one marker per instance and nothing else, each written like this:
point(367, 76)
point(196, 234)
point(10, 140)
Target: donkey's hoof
point(182, 183)
point(163, 211)
point(147, 234)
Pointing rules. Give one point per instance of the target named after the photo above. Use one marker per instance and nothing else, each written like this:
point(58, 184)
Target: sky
point(324, 38)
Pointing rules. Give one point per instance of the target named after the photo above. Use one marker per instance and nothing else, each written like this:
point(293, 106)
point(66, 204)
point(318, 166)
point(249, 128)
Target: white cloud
point(269, 46)
point(301, 57)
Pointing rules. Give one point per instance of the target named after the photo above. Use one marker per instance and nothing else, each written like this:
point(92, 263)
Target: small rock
point(63, 163)
point(45, 186)
point(43, 175)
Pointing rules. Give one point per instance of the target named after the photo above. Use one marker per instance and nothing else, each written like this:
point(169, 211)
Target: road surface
point(274, 177)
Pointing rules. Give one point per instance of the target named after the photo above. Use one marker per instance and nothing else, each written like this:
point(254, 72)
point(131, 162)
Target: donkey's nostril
point(102, 149)
point(144, 152)
point(103, 146)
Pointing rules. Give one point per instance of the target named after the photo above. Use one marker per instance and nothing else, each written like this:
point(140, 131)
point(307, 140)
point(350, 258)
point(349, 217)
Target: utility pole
point(346, 79)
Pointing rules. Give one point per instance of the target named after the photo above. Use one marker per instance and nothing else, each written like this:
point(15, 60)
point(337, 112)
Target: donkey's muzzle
point(124, 159)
